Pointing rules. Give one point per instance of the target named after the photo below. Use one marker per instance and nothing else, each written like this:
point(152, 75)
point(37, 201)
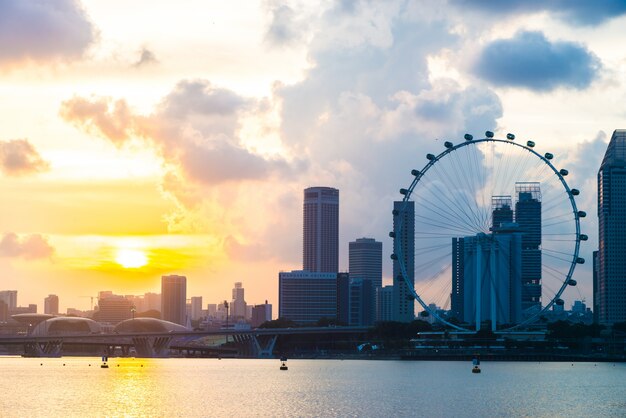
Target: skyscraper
point(610, 296)
point(320, 252)
point(528, 217)
point(174, 299)
point(404, 243)
point(238, 304)
point(490, 270)
point(366, 260)
point(51, 305)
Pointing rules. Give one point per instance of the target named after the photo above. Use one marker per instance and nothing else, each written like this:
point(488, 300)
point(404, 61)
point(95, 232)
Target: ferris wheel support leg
point(478, 290)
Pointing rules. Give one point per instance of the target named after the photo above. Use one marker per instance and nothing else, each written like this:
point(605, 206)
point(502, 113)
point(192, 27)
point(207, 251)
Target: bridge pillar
point(266, 350)
point(50, 348)
point(152, 346)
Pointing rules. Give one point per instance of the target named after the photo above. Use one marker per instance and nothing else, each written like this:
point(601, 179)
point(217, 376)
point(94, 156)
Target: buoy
point(283, 366)
point(476, 369)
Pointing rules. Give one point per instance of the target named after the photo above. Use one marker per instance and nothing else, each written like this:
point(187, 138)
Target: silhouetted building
point(528, 217)
point(362, 302)
point(174, 299)
point(501, 211)
point(384, 303)
point(51, 305)
point(196, 307)
point(4, 311)
point(152, 301)
point(320, 251)
point(113, 309)
point(611, 278)
point(366, 260)
point(596, 295)
point(457, 308)
point(306, 297)
point(404, 246)
point(260, 314)
point(488, 268)
point(238, 306)
point(343, 298)
point(9, 297)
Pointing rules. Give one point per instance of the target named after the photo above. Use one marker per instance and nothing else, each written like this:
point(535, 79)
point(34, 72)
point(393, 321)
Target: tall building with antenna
point(528, 218)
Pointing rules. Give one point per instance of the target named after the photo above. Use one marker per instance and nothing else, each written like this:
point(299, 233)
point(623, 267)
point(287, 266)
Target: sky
point(146, 138)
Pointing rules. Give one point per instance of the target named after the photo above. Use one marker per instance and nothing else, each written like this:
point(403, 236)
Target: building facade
point(320, 252)
point(260, 314)
point(238, 306)
point(306, 297)
point(365, 260)
point(384, 303)
point(9, 297)
point(528, 218)
point(51, 305)
point(174, 299)
point(404, 246)
point(491, 268)
point(610, 292)
point(196, 308)
point(114, 309)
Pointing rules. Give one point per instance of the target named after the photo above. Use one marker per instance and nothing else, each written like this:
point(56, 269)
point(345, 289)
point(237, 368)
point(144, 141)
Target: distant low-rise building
point(260, 314)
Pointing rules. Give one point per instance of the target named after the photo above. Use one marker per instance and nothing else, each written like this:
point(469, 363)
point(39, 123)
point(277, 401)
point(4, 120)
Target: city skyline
point(125, 157)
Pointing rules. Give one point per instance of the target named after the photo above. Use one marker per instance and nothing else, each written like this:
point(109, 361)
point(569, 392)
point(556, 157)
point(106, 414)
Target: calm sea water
point(78, 387)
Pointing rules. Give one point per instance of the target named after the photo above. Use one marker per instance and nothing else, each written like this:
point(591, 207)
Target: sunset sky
point(153, 137)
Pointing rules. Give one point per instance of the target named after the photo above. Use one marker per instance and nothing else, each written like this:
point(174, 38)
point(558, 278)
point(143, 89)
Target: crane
point(91, 297)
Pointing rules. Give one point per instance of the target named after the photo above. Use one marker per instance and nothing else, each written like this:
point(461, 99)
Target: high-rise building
point(238, 306)
point(366, 260)
point(320, 252)
point(174, 299)
point(384, 303)
point(528, 218)
point(51, 305)
point(404, 246)
point(306, 297)
point(9, 297)
point(610, 293)
point(260, 314)
point(595, 303)
point(457, 308)
point(491, 267)
point(196, 308)
point(362, 302)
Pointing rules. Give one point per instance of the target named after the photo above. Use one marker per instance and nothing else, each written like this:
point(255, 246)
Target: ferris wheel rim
point(433, 159)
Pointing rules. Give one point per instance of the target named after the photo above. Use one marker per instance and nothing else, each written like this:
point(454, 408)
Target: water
point(316, 388)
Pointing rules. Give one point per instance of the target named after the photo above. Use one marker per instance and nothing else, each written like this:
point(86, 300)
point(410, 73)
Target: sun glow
point(131, 258)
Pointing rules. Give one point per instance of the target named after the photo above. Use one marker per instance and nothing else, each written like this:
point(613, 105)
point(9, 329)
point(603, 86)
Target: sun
point(131, 258)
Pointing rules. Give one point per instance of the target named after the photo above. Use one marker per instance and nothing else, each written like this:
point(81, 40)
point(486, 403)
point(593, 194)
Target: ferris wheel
point(487, 234)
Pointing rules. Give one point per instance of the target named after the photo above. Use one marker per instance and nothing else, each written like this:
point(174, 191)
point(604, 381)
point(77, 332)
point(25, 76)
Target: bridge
point(261, 341)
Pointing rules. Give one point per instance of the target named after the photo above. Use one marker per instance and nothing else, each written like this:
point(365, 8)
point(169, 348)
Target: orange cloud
point(28, 246)
point(19, 157)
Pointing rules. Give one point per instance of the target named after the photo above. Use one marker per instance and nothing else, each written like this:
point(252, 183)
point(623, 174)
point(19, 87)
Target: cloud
point(29, 247)
point(18, 157)
point(195, 129)
point(285, 27)
point(529, 60)
point(581, 12)
point(102, 115)
point(146, 57)
point(41, 30)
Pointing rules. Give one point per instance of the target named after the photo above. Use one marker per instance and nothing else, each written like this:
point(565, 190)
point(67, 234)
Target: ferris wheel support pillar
point(478, 290)
point(492, 277)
